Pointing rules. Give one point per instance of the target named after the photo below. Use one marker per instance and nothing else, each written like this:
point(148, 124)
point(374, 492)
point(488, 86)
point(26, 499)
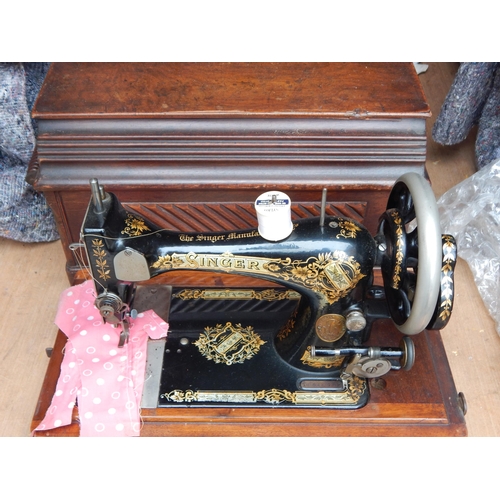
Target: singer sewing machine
point(266, 337)
point(304, 339)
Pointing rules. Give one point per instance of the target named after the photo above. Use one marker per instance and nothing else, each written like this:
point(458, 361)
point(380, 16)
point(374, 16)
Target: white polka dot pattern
point(105, 381)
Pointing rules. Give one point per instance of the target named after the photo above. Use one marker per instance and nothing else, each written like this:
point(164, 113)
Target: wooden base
point(420, 402)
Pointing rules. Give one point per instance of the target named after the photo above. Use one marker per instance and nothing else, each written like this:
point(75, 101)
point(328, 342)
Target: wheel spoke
point(412, 247)
point(405, 303)
point(407, 209)
point(402, 200)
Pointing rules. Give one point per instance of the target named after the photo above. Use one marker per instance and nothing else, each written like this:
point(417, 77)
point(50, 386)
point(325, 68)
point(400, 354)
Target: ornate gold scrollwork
point(134, 226)
point(348, 229)
point(237, 294)
point(396, 277)
point(321, 361)
point(101, 262)
point(332, 274)
point(288, 327)
point(354, 388)
point(229, 344)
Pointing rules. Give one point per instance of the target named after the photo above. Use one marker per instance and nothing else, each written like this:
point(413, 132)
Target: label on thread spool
point(274, 215)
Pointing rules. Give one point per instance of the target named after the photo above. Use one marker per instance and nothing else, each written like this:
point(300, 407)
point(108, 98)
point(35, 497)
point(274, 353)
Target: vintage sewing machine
point(301, 341)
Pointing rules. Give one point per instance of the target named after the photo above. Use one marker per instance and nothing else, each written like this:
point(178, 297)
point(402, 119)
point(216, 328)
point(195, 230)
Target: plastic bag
point(470, 211)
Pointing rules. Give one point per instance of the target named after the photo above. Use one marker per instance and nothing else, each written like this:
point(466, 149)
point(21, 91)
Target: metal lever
point(372, 352)
point(371, 362)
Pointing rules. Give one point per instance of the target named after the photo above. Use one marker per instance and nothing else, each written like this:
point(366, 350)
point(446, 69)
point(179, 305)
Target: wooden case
point(183, 142)
point(191, 146)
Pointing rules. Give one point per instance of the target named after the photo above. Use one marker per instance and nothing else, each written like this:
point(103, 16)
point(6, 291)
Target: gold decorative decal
point(321, 361)
point(333, 275)
point(218, 237)
point(449, 257)
point(285, 331)
point(396, 277)
point(354, 388)
point(100, 261)
point(348, 229)
point(240, 294)
point(229, 344)
point(134, 226)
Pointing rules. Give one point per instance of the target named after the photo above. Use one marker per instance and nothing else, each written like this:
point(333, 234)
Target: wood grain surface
point(234, 89)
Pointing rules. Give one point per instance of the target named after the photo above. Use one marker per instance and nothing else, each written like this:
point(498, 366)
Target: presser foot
point(118, 313)
point(124, 335)
point(115, 311)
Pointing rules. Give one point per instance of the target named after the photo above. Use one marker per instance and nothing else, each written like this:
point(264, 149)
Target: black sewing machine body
point(301, 341)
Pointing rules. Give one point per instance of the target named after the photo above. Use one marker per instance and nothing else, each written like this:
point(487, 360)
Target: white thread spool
point(274, 215)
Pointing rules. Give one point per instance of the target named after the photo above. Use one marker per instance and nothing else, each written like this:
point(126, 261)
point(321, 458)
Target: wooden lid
point(220, 90)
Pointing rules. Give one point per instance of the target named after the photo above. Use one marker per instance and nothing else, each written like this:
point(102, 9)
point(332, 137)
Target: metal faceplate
point(157, 298)
point(131, 265)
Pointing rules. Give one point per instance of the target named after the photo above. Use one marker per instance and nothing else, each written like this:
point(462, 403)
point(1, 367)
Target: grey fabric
point(488, 132)
point(473, 99)
point(24, 213)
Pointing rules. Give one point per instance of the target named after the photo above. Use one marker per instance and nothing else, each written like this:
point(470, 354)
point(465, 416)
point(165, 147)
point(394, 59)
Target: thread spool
point(274, 215)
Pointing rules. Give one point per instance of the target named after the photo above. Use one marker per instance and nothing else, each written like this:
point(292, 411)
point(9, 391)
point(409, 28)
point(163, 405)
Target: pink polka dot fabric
point(105, 380)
